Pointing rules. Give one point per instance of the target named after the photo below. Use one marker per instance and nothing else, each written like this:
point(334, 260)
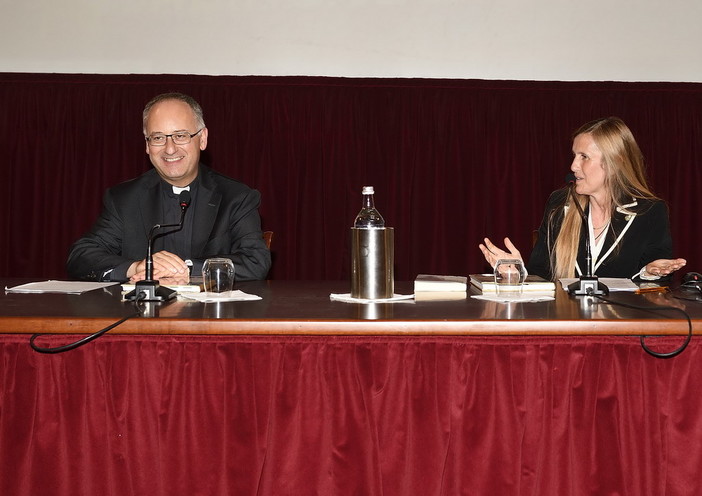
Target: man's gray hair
point(196, 108)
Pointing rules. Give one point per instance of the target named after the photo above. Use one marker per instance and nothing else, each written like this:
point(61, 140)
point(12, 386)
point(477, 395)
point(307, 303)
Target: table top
point(305, 308)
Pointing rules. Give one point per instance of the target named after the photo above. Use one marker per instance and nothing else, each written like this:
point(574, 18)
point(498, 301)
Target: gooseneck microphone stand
point(588, 284)
point(149, 289)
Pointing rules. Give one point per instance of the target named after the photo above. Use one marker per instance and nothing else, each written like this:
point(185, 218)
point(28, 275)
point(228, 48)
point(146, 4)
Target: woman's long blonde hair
point(625, 178)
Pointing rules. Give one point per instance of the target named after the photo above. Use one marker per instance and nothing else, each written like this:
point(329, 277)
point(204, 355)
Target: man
point(222, 220)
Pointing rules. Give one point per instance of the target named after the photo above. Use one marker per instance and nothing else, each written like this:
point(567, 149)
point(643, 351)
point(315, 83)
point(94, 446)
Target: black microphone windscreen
point(184, 198)
point(570, 178)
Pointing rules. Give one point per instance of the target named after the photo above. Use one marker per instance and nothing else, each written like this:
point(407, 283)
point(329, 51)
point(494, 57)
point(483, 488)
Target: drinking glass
point(218, 275)
point(509, 277)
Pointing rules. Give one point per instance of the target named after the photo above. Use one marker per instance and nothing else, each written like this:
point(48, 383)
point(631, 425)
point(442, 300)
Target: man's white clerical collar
point(178, 190)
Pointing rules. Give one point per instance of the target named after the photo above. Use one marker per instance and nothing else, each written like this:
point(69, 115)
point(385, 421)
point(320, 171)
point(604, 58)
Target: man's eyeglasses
point(179, 138)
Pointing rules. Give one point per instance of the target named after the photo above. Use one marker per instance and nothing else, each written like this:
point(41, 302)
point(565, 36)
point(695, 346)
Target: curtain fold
point(452, 161)
point(134, 415)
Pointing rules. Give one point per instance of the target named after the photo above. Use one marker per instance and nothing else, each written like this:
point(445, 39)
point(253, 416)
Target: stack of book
point(439, 287)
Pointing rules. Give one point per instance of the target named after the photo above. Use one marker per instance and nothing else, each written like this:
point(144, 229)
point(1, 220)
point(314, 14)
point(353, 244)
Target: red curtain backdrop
point(372, 416)
point(452, 161)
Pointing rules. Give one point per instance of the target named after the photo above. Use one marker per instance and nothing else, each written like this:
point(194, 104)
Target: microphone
point(588, 284)
point(149, 289)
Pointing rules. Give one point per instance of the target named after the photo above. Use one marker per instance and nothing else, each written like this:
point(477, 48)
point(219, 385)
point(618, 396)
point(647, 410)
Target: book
point(440, 295)
point(533, 283)
point(429, 282)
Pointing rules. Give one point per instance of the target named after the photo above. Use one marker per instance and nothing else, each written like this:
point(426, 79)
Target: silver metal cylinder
point(372, 262)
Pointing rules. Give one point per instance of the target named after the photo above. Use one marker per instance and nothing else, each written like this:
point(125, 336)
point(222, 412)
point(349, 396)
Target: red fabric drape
point(172, 415)
point(451, 160)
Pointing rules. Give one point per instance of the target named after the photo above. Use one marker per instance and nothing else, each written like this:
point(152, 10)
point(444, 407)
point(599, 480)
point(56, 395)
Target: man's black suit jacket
point(226, 224)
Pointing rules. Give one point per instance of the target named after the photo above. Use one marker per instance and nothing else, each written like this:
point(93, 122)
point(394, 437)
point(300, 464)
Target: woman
point(627, 224)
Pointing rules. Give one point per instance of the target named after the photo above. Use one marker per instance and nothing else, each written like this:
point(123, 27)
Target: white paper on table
point(524, 298)
point(179, 288)
point(613, 283)
point(62, 287)
point(346, 297)
point(208, 297)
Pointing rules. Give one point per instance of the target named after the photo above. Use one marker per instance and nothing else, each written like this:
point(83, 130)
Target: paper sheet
point(613, 283)
point(524, 298)
point(206, 297)
point(63, 287)
point(346, 297)
point(184, 288)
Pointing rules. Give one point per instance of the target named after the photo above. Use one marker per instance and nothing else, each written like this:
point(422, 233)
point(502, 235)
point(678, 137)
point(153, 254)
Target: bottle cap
point(368, 190)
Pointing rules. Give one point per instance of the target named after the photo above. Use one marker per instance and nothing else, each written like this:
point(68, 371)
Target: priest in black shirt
point(222, 221)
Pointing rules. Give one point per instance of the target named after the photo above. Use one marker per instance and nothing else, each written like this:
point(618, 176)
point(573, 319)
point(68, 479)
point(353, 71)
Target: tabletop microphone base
point(152, 291)
point(588, 286)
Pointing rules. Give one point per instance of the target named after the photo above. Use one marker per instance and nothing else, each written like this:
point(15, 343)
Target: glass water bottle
point(368, 217)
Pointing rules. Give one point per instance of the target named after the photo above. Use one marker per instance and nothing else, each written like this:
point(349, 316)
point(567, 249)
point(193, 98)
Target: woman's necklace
point(603, 227)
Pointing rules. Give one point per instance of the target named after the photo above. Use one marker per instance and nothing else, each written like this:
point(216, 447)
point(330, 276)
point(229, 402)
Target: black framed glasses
point(179, 138)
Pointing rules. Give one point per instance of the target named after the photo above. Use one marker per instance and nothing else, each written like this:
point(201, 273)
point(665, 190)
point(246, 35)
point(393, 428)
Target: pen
point(656, 289)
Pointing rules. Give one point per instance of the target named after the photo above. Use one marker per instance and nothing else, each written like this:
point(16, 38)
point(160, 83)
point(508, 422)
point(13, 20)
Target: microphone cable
point(655, 310)
point(72, 346)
